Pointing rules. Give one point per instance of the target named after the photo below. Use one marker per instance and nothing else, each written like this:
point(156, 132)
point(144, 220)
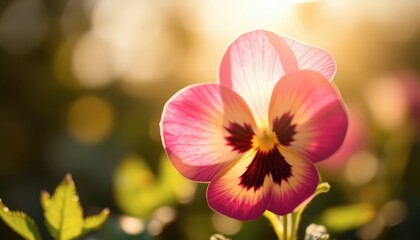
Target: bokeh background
point(83, 84)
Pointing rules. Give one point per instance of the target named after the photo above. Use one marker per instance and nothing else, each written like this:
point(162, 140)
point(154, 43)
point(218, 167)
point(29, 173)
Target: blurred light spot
point(154, 227)
point(387, 102)
point(92, 62)
point(22, 26)
point(225, 224)
point(165, 214)
point(372, 229)
point(185, 192)
point(361, 168)
point(394, 212)
point(131, 225)
point(143, 48)
point(90, 119)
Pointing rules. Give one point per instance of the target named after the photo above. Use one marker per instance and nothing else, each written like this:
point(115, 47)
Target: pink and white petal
point(312, 58)
point(226, 194)
point(317, 113)
point(288, 195)
point(193, 129)
point(252, 65)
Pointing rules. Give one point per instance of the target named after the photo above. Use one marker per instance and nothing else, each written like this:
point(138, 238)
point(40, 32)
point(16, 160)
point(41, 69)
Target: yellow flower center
point(265, 141)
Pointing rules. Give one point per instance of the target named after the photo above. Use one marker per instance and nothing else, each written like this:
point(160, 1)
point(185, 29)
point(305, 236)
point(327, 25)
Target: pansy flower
point(255, 136)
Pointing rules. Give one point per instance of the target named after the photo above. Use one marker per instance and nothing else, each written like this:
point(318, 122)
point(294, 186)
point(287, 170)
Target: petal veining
point(252, 66)
point(319, 116)
point(312, 58)
point(193, 128)
point(288, 195)
point(226, 195)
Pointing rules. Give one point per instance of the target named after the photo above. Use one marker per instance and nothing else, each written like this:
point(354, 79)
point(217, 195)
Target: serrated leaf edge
point(6, 210)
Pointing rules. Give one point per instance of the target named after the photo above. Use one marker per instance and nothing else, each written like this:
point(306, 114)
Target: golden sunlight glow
point(90, 119)
point(238, 16)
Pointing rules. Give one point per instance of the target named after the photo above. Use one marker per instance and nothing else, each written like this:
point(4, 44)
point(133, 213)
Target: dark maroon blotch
point(263, 164)
point(284, 129)
point(240, 136)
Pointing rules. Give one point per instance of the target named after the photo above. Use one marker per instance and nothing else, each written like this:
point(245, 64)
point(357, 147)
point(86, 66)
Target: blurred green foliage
point(138, 192)
point(344, 218)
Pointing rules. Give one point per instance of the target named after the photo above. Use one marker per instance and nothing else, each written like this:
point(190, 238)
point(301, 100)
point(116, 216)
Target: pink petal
point(318, 120)
point(252, 66)
point(194, 129)
point(228, 196)
point(288, 195)
point(312, 58)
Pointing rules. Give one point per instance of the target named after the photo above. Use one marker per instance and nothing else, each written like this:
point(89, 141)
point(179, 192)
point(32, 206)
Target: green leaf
point(95, 222)
point(20, 223)
point(343, 218)
point(63, 213)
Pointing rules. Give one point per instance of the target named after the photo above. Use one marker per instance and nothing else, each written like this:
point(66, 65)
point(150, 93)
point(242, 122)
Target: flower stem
point(283, 225)
point(275, 221)
point(286, 226)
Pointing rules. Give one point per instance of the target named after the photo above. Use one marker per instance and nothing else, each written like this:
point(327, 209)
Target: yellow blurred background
point(83, 84)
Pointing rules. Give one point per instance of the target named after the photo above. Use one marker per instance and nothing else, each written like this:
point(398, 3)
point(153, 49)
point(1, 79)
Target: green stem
point(275, 222)
point(295, 222)
point(286, 226)
point(283, 219)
